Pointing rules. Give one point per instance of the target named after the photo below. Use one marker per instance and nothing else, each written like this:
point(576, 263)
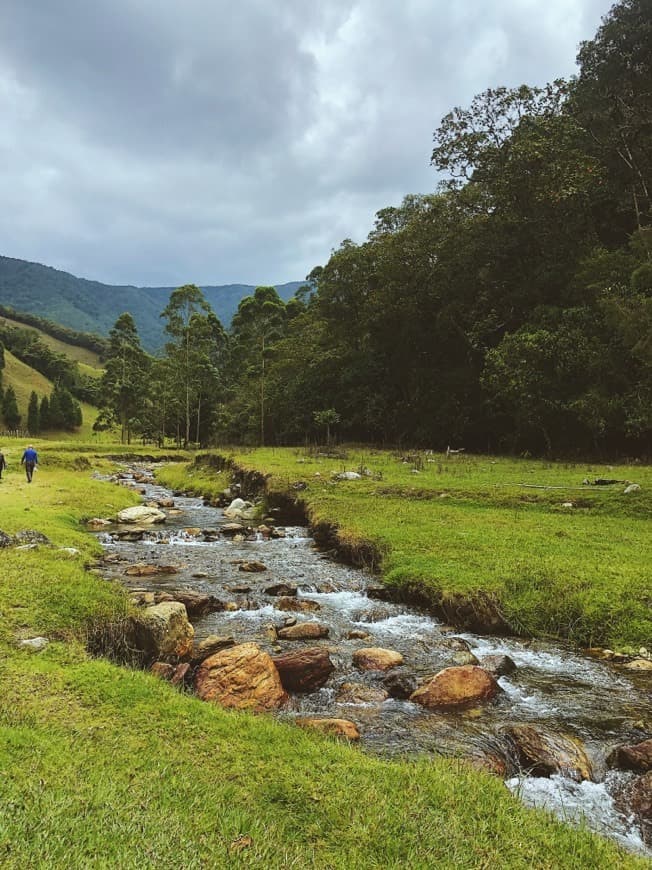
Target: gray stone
point(34, 643)
point(240, 510)
point(498, 665)
point(141, 514)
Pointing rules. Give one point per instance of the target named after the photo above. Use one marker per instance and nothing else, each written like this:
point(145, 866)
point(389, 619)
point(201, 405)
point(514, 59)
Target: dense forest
point(509, 310)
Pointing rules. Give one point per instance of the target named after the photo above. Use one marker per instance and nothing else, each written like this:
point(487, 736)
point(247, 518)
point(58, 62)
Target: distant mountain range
point(91, 306)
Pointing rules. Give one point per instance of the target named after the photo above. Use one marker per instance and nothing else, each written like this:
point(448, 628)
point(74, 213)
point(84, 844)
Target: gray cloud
point(158, 142)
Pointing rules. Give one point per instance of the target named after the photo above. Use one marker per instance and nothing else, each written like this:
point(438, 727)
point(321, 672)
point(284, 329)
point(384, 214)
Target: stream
point(554, 687)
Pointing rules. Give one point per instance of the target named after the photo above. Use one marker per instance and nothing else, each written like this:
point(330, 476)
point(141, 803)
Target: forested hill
point(91, 306)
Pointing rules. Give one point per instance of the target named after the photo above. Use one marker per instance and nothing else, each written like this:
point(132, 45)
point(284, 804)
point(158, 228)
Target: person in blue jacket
point(30, 461)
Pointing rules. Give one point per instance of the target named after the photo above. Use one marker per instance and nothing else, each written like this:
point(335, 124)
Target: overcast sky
point(174, 141)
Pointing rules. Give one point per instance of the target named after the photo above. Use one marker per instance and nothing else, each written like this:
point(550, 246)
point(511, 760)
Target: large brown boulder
point(304, 670)
point(637, 756)
point(544, 754)
point(243, 677)
point(303, 631)
point(163, 632)
point(374, 658)
point(333, 727)
point(454, 687)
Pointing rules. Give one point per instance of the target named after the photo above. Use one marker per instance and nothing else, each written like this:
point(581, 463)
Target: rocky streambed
point(279, 626)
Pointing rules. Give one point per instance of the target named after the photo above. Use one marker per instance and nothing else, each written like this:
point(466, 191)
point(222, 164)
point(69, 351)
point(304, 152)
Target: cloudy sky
point(213, 141)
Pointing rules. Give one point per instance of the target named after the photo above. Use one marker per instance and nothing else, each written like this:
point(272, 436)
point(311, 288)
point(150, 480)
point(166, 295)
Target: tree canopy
point(509, 309)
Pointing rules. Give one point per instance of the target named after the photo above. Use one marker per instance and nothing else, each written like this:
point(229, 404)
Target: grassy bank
point(555, 556)
point(105, 767)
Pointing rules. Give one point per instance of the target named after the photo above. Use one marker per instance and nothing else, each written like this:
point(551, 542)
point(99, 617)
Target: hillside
point(89, 360)
point(25, 379)
point(94, 307)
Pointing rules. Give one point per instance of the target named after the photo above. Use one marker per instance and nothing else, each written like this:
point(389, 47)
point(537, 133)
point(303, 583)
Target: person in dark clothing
point(3, 463)
point(30, 461)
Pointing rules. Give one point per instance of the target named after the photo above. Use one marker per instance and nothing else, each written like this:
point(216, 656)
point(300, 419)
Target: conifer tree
point(10, 409)
point(44, 414)
point(33, 419)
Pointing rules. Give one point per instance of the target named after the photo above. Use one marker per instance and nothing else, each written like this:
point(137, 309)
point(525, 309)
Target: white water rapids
point(553, 687)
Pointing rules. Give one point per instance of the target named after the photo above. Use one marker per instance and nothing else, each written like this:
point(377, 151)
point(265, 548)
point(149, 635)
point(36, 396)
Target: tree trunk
point(198, 417)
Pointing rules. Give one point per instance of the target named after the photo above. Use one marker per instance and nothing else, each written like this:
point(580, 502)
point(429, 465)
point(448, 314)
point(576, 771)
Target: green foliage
point(612, 100)
point(33, 418)
point(258, 325)
point(44, 414)
point(124, 382)
point(642, 279)
point(10, 409)
point(63, 412)
point(327, 418)
point(195, 357)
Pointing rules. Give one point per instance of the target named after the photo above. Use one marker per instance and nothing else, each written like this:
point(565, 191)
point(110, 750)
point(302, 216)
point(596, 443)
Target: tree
point(10, 409)
point(327, 418)
point(257, 324)
point(124, 383)
point(474, 144)
point(194, 353)
point(63, 412)
point(612, 100)
point(33, 419)
point(44, 414)
point(546, 381)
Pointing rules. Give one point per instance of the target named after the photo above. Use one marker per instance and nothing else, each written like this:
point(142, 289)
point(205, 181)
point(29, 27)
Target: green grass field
point(107, 767)
point(469, 524)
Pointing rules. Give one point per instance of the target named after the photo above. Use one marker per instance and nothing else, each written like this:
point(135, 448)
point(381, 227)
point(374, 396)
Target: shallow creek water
point(554, 687)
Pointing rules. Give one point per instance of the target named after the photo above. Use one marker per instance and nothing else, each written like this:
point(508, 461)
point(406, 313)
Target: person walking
point(30, 461)
point(3, 463)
